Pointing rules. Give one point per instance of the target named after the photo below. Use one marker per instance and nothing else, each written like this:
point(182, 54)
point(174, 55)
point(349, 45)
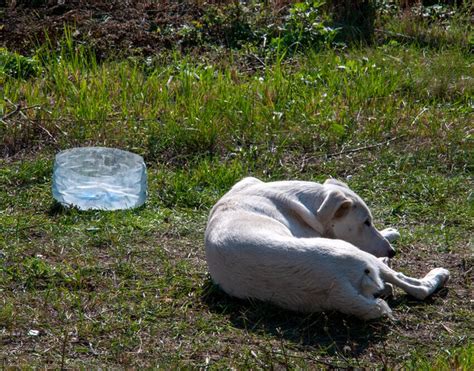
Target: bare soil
point(107, 26)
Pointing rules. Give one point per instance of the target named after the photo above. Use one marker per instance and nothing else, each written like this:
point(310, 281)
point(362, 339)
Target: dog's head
point(345, 216)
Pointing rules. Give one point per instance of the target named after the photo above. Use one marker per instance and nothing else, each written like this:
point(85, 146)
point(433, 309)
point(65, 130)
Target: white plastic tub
point(99, 178)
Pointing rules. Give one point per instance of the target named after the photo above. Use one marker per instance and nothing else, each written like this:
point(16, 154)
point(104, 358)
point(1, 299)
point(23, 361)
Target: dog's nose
point(391, 253)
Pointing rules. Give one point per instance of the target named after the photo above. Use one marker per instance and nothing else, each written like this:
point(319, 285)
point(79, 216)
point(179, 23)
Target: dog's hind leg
point(352, 302)
point(418, 288)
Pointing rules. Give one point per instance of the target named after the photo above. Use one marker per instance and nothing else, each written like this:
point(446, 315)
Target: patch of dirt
point(142, 27)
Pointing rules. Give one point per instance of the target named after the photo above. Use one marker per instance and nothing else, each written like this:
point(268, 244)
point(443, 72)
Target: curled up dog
point(307, 247)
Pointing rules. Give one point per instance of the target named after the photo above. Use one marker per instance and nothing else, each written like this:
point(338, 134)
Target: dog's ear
point(335, 205)
point(336, 182)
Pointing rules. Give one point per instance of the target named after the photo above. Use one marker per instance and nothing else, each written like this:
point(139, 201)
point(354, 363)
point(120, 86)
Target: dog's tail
point(418, 288)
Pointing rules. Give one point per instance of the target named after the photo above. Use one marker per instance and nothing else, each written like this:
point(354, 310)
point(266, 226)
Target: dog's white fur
point(305, 246)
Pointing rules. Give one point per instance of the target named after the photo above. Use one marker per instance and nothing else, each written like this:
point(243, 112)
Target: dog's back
point(281, 204)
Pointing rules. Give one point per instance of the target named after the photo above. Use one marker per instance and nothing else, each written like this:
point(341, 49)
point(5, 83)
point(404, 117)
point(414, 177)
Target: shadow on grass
point(409, 301)
point(332, 332)
point(58, 209)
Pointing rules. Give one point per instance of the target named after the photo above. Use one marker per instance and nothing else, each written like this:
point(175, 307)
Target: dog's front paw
point(437, 277)
point(390, 234)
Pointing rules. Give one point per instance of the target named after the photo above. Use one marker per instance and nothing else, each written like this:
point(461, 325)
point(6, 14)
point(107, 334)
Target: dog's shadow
point(332, 332)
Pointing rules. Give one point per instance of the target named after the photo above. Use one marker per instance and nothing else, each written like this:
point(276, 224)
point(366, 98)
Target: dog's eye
point(367, 223)
point(367, 271)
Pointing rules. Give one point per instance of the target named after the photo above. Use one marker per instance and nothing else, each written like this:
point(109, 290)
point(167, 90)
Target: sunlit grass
point(193, 108)
point(130, 288)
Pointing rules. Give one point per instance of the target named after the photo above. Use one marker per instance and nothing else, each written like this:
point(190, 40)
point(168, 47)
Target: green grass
point(183, 110)
point(130, 288)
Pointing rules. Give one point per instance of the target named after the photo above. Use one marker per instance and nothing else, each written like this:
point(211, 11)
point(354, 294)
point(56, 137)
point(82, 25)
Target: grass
point(187, 109)
point(130, 288)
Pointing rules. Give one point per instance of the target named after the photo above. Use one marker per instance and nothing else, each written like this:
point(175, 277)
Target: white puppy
point(305, 246)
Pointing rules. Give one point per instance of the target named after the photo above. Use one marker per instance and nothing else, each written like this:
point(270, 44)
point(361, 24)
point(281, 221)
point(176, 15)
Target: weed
point(17, 66)
point(303, 28)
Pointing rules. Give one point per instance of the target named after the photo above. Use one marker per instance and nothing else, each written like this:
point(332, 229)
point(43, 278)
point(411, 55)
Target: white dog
point(305, 246)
